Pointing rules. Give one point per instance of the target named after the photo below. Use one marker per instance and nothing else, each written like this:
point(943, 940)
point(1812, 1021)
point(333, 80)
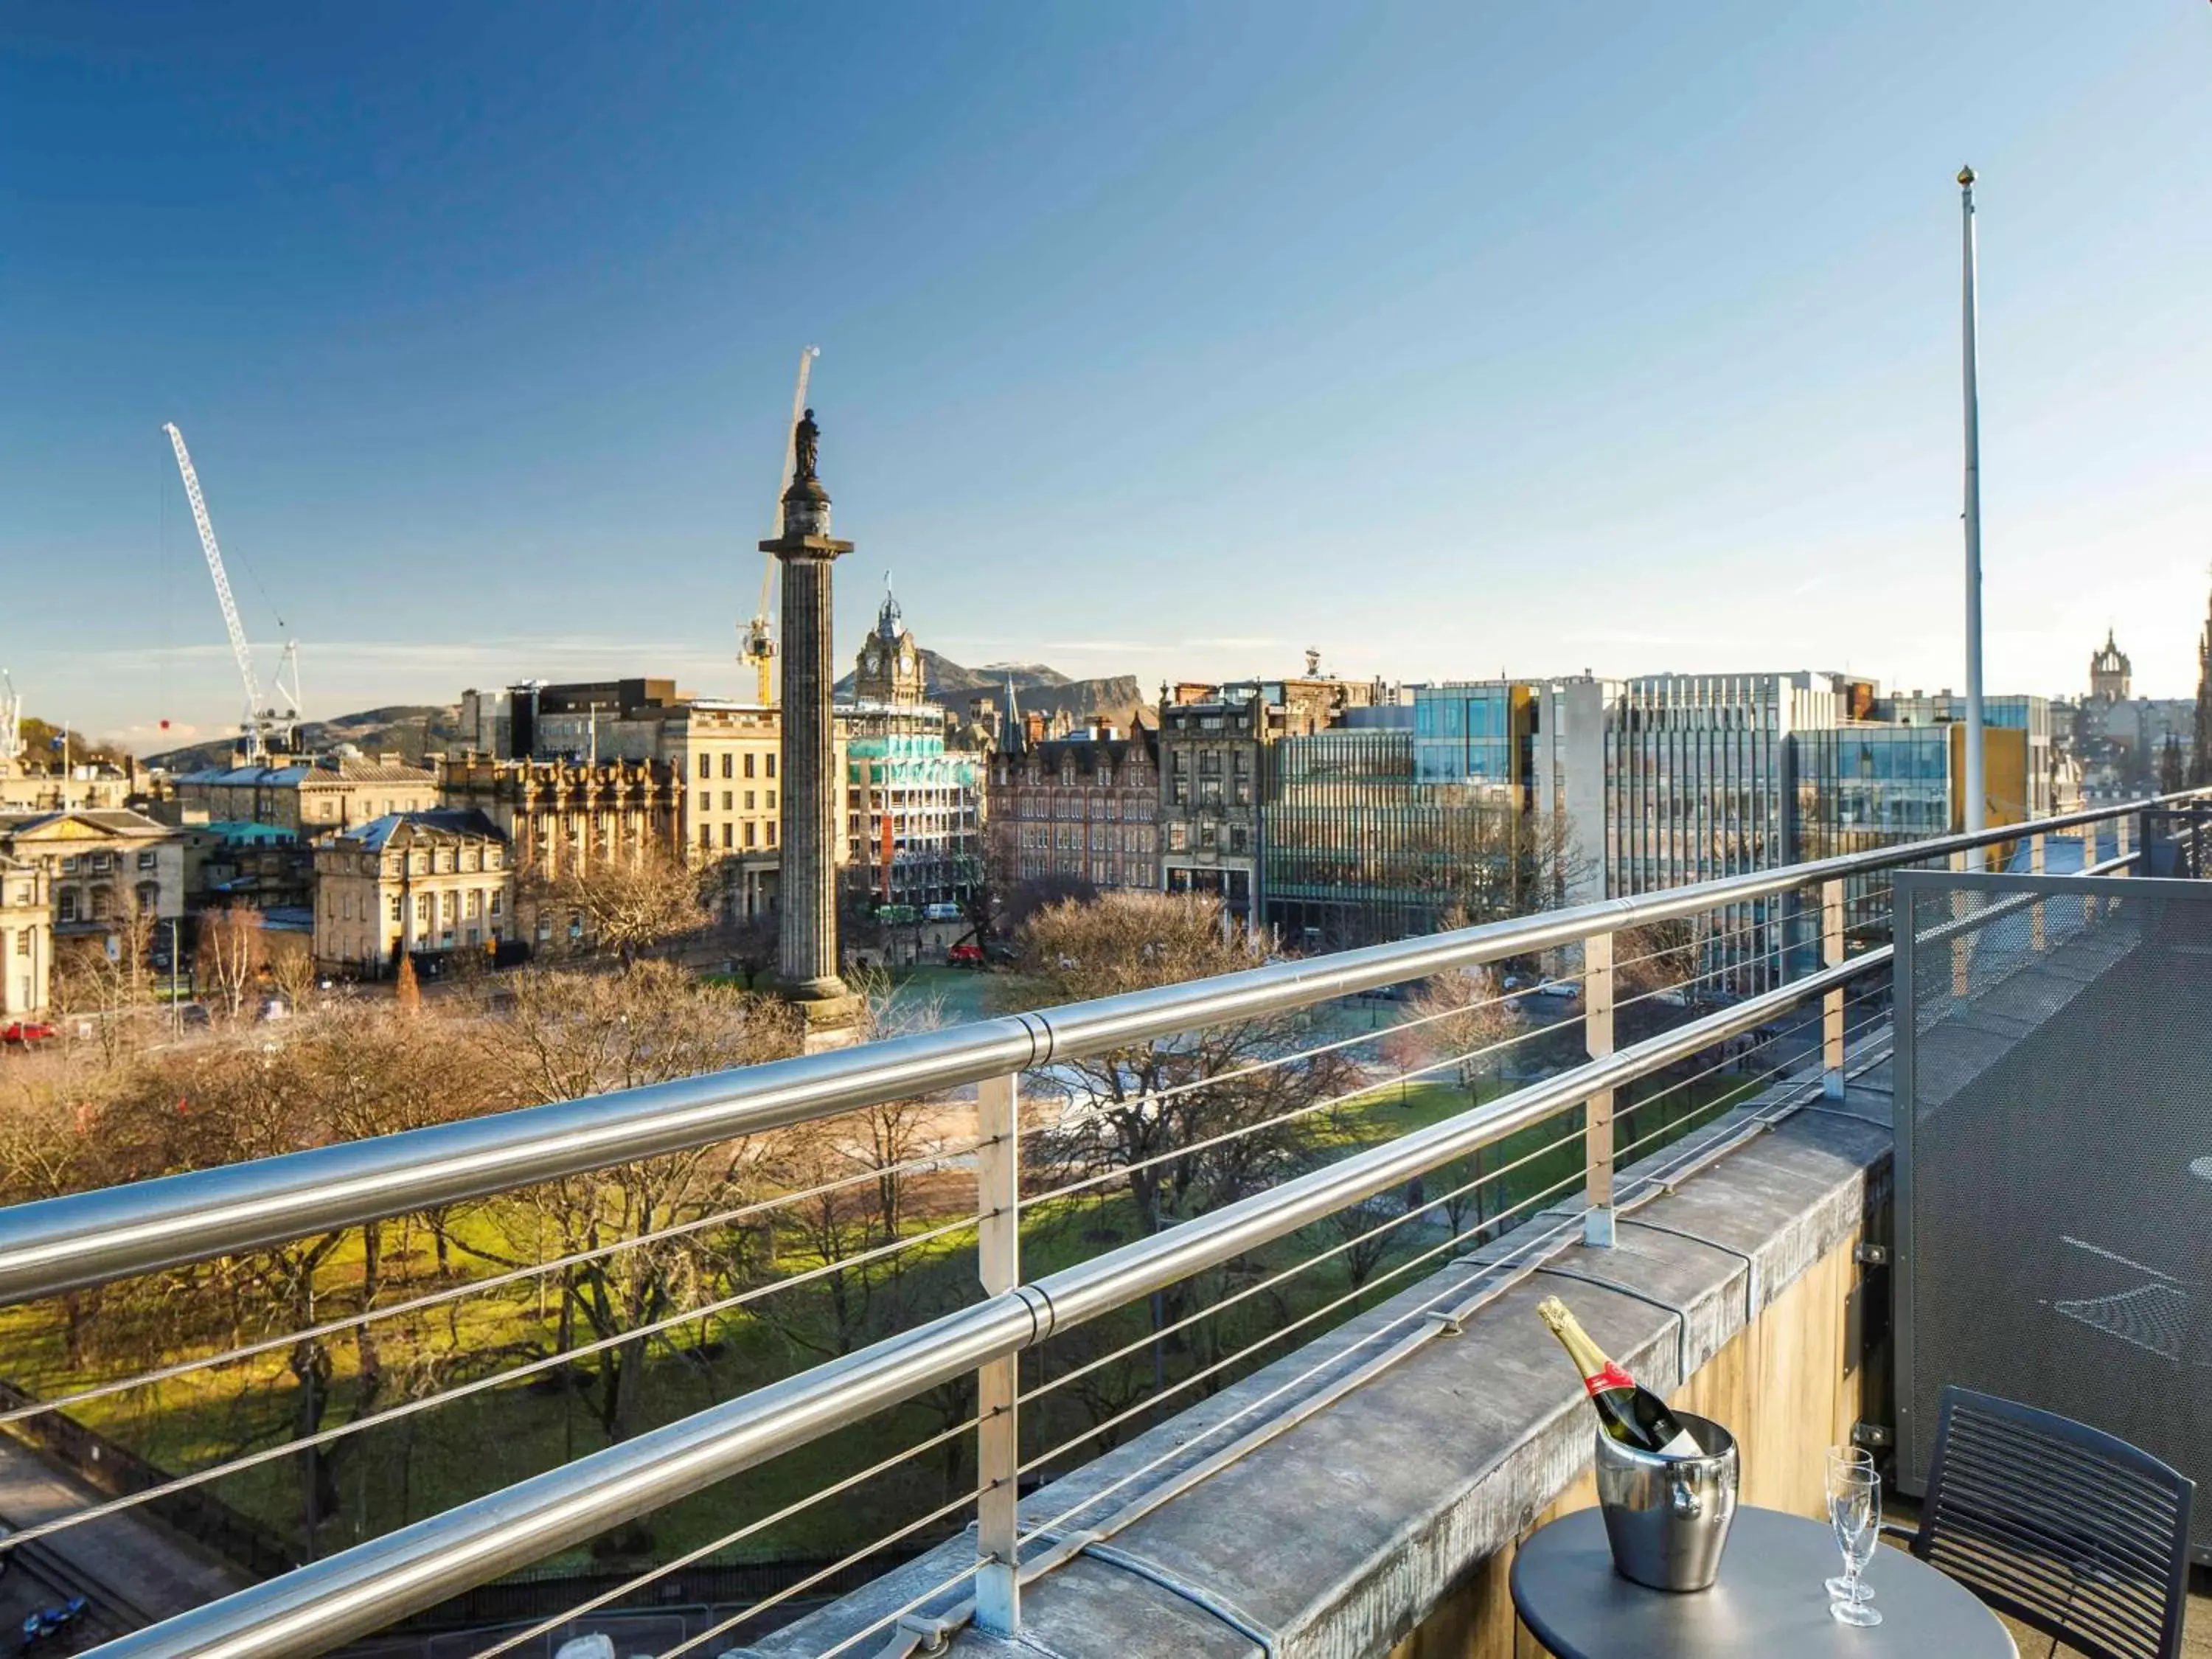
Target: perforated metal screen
point(2054, 1156)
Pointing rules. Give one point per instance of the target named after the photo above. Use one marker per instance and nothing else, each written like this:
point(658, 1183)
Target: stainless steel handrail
point(89, 1238)
point(328, 1602)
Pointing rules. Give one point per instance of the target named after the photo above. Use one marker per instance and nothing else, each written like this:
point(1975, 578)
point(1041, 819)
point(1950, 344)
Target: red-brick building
point(1084, 806)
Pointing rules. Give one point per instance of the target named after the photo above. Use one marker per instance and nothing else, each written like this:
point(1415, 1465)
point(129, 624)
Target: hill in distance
point(409, 729)
point(1038, 688)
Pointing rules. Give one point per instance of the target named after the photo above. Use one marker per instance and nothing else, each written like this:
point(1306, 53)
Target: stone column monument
point(806, 946)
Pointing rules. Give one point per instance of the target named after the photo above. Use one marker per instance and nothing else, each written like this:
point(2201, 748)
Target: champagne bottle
point(1631, 1414)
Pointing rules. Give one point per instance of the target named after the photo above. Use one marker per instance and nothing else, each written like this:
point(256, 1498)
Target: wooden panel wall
point(1780, 1386)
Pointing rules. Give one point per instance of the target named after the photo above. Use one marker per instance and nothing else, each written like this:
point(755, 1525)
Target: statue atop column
point(805, 449)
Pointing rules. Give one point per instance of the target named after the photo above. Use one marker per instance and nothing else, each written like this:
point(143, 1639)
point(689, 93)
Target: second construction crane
point(265, 731)
point(759, 635)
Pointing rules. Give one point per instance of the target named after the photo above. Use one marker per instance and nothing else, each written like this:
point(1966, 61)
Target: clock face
point(872, 659)
point(906, 659)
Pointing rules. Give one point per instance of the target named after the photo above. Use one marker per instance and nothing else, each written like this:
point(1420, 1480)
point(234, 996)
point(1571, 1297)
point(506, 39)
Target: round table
point(1768, 1600)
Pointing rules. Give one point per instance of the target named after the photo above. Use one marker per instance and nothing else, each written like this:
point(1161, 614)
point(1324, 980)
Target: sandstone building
point(27, 938)
point(424, 883)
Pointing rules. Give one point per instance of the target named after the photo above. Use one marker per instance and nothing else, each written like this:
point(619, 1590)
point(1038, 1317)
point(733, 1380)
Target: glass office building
point(1359, 847)
point(1475, 732)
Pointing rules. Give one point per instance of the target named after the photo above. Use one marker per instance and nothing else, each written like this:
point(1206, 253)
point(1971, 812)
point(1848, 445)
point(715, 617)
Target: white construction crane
point(264, 729)
point(11, 720)
point(760, 640)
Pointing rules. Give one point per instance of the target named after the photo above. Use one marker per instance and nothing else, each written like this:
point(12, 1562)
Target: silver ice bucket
point(1667, 1518)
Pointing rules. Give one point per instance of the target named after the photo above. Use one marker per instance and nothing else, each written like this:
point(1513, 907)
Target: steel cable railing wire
point(1521, 1252)
point(1151, 1402)
point(1285, 1275)
point(477, 1287)
point(1366, 1089)
point(477, 1385)
point(1736, 1096)
point(654, 1574)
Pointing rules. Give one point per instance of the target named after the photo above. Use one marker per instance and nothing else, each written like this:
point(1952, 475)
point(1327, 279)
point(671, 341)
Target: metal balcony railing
point(1822, 937)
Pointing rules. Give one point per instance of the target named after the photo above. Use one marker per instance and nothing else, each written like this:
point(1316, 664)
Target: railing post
point(998, 1442)
point(2036, 938)
point(1831, 1005)
point(1597, 1113)
point(2089, 857)
point(2120, 837)
point(1961, 956)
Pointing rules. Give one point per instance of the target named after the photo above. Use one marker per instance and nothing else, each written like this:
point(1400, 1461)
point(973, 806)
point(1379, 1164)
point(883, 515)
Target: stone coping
point(1336, 1538)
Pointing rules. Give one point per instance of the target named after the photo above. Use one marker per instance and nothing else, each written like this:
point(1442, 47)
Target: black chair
point(2075, 1533)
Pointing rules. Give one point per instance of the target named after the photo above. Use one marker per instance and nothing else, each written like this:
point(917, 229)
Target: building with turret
point(914, 806)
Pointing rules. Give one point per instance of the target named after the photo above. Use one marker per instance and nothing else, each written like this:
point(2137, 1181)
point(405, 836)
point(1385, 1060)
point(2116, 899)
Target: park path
point(146, 1568)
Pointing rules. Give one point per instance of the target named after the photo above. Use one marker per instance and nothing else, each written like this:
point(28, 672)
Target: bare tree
point(573, 1034)
point(628, 905)
point(291, 967)
point(1196, 1120)
point(233, 952)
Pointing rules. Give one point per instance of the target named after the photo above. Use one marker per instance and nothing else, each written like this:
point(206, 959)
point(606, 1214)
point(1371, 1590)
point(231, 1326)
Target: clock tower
point(888, 668)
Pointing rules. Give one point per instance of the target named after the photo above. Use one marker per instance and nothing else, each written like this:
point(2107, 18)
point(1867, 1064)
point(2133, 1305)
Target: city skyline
point(1634, 350)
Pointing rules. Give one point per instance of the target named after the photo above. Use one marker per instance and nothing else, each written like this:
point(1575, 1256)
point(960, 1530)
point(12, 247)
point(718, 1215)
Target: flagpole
point(1977, 802)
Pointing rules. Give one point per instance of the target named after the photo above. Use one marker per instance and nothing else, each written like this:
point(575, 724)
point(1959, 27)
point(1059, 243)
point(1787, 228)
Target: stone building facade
point(429, 882)
point(912, 817)
point(562, 818)
point(103, 869)
point(308, 797)
point(27, 938)
point(1211, 740)
point(728, 757)
point(1083, 808)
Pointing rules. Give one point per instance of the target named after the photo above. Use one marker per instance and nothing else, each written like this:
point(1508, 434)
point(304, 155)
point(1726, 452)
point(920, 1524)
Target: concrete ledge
point(1341, 1537)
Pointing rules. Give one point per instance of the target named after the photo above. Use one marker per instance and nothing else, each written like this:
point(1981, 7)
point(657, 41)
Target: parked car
point(965, 956)
point(27, 1031)
point(193, 1013)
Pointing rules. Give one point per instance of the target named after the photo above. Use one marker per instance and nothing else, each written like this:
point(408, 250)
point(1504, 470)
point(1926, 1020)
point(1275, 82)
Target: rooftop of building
point(405, 828)
point(298, 771)
point(248, 832)
point(117, 820)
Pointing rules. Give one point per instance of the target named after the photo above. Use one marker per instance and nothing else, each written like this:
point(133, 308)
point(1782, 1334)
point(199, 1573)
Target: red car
point(25, 1030)
point(965, 956)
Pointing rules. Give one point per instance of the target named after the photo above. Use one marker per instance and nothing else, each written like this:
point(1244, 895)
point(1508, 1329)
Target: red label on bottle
point(1611, 1377)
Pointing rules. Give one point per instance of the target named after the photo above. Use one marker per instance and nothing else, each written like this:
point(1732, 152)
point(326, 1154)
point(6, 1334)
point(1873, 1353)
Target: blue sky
point(1448, 338)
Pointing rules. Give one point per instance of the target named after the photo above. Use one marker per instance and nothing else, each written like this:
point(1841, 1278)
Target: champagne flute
point(1840, 1588)
point(1855, 1512)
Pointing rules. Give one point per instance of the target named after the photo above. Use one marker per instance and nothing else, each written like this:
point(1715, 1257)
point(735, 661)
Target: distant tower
point(2200, 747)
point(806, 945)
point(888, 668)
point(2109, 672)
